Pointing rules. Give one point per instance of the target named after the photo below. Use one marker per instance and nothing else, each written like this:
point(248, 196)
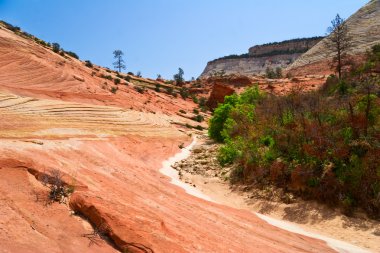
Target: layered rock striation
point(261, 57)
point(364, 30)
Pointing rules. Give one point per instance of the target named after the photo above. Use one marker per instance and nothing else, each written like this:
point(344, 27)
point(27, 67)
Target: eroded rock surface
point(364, 29)
point(109, 147)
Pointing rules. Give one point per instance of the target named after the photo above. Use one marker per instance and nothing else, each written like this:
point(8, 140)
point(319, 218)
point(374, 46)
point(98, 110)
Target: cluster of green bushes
point(232, 56)
point(54, 46)
point(184, 92)
point(116, 81)
point(72, 54)
point(140, 89)
point(322, 145)
point(169, 90)
point(10, 27)
point(108, 77)
point(198, 118)
point(273, 73)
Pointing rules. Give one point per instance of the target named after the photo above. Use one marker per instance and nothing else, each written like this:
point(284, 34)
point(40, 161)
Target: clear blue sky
point(158, 36)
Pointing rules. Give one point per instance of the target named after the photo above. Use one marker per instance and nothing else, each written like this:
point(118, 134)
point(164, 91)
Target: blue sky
point(158, 36)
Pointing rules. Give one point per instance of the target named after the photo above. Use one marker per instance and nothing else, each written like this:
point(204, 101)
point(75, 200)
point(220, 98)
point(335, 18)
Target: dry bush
point(59, 190)
point(98, 234)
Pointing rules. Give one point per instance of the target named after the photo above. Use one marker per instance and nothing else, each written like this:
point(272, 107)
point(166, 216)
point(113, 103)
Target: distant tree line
point(294, 40)
point(274, 52)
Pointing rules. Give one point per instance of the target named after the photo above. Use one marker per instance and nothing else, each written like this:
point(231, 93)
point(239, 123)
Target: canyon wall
point(260, 57)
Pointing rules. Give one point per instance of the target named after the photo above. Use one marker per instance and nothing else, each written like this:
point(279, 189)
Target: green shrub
point(199, 127)
point(169, 90)
point(194, 98)
point(198, 118)
point(89, 64)
point(108, 77)
point(72, 54)
point(184, 92)
point(116, 81)
point(114, 90)
point(227, 153)
point(157, 88)
point(202, 102)
point(139, 89)
point(216, 123)
point(239, 105)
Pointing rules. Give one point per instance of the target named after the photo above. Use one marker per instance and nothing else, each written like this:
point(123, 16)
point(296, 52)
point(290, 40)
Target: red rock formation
point(112, 155)
point(218, 92)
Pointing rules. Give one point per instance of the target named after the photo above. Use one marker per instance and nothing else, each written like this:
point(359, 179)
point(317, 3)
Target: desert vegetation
point(119, 63)
point(59, 191)
point(178, 78)
point(89, 64)
point(273, 73)
point(321, 145)
point(340, 43)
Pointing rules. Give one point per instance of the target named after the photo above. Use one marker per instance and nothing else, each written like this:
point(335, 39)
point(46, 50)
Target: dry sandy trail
point(110, 147)
point(168, 170)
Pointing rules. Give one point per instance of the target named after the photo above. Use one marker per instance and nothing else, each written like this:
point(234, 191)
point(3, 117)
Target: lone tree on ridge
point(119, 63)
point(179, 77)
point(339, 41)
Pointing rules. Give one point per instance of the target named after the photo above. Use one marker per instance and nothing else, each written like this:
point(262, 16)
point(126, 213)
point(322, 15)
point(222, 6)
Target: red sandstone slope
point(27, 68)
point(112, 156)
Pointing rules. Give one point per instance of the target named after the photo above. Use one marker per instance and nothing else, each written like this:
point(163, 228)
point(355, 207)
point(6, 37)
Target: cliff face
point(285, 47)
point(259, 58)
point(364, 28)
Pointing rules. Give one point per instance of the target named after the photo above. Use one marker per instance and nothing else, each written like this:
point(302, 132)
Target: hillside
point(79, 165)
point(364, 28)
point(260, 57)
point(31, 69)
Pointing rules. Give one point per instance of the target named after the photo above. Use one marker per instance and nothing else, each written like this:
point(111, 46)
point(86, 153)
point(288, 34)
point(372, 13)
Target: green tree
point(179, 76)
point(56, 47)
point(339, 41)
point(119, 63)
point(220, 116)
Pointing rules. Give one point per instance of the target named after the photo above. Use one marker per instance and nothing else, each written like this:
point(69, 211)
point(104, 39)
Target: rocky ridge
point(260, 57)
point(364, 29)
